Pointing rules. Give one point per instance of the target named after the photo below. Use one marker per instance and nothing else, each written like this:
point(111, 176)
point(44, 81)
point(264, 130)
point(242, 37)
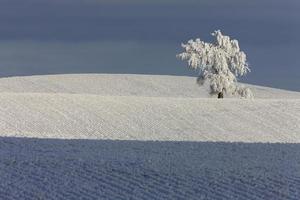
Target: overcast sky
point(134, 36)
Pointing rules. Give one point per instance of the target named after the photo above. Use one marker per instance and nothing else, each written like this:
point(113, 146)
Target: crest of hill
point(124, 85)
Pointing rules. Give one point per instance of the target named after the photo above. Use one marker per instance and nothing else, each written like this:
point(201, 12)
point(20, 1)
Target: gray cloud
point(78, 36)
point(33, 57)
point(259, 22)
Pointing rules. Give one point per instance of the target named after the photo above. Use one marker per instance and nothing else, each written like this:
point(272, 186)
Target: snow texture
point(145, 137)
point(75, 116)
point(99, 169)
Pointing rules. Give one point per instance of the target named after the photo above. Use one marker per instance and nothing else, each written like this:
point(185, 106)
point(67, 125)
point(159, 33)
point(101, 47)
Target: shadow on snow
point(104, 169)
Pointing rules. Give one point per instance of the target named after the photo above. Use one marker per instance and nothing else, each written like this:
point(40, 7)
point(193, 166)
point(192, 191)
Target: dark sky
point(134, 36)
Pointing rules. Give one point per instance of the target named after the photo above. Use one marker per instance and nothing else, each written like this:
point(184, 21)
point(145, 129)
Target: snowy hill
point(123, 85)
point(100, 136)
point(140, 107)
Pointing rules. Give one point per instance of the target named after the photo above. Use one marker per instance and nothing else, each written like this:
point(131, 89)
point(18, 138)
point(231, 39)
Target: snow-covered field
point(93, 136)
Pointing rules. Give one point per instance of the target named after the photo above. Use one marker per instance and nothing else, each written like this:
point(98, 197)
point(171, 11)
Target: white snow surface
point(142, 107)
point(100, 136)
point(124, 85)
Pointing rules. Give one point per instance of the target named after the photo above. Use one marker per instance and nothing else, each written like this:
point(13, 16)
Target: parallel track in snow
point(85, 169)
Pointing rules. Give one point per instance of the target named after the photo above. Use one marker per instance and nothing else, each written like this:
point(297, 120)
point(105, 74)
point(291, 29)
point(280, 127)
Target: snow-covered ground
point(124, 85)
point(100, 136)
point(99, 169)
point(77, 116)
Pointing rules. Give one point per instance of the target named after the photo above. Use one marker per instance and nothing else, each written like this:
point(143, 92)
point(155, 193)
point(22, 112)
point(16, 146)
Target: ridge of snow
point(124, 85)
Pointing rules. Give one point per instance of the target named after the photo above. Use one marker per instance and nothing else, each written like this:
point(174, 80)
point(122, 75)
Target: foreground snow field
point(98, 169)
point(145, 137)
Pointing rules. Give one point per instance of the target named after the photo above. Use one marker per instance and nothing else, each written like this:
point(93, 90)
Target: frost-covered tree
point(219, 64)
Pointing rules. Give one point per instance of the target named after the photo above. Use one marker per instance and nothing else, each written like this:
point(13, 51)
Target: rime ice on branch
point(219, 64)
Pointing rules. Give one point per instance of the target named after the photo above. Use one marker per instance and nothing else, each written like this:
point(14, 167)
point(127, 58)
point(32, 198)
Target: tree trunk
point(220, 95)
